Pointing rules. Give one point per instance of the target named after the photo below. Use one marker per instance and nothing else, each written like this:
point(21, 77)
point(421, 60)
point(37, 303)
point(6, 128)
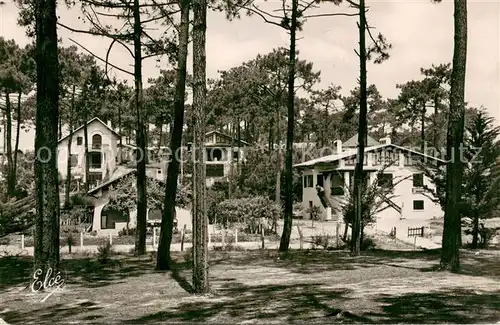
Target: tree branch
point(100, 59)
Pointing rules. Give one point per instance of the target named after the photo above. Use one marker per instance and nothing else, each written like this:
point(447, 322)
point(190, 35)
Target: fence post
point(301, 237)
point(22, 241)
point(209, 235)
point(223, 237)
point(110, 238)
point(183, 233)
point(262, 237)
point(236, 236)
point(337, 233)
point(81, 240)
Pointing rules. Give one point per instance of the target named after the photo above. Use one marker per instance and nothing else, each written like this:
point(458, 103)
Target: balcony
point(417, 190)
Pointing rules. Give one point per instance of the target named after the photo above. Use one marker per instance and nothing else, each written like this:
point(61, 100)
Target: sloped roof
point(226, 136)
point(119, 173)
point(352, 153)
point(353, 142)
point(89, 122)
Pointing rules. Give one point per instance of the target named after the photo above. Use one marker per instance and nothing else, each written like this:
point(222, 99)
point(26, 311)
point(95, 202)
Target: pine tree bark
point(86, 144)
point(200, 221)
point(163, 261)
point(450, 259)
point(47, 115)
point(67, 191)
point(140, 244)
point(277, 194)
point(18, 134)
point(287, 225)
point(362, 137)
point(422, 132)
point(11, 181)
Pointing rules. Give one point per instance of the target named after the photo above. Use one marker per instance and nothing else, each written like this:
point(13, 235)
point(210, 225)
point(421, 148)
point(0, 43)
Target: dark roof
point(226, 136)
point(353, 153)
point(353, 142)
point(89, 122)
point(117, 175)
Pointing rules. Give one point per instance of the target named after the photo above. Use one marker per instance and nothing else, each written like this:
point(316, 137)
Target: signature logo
point(50, 283)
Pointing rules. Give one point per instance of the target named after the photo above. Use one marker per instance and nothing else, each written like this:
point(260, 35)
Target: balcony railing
point(97, 146)
point(95, 165)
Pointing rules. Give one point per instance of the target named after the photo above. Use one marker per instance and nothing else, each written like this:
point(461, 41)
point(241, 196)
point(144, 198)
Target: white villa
point(103, 152)
point(107, 220)
point(221, 151)
point(334, 173)
point(109, 162)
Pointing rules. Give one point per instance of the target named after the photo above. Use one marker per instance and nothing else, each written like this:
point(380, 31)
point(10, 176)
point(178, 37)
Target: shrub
point(104, 252)
point(252, 212)
point(126, 232)
point(188, 255)
point(367, 244)
point(4, 241)
point(321, 241)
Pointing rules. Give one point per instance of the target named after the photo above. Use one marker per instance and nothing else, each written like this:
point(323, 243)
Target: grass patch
point(262, 286)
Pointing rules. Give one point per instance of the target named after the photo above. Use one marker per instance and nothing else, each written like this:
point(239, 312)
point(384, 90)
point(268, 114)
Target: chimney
point(109, 124)
point(386, 140)
point(338, 144)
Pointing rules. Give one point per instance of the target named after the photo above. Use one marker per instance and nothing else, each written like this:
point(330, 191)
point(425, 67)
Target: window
point(319, 180)
point(154, 214)
point(96, 141)
point(308, 181)
point(79, 141)
point(215, 170)
point(214, 154)
point(418, 205)
point(236, 154)
point(336, 184)
point(95, 160)
point(418, 180)
point(109, 218)
point(74, 160)
point(385, 181)
point(95, 179)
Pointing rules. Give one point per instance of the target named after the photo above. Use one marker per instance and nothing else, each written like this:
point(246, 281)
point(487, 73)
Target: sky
point(420, 32)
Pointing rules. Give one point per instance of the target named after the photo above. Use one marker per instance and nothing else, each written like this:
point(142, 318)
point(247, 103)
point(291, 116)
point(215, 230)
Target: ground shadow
point(454, 306)
point(57, 313)
point(287, 303)
point(84, 271)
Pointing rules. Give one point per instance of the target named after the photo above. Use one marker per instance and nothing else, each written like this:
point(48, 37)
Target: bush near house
point(250, 213)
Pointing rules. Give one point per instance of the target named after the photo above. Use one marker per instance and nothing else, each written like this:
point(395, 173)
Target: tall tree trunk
point(362, 137)
point(435, 124)
point(238, 144)
point(59, 127)
point(140, 243)
point(450, 259)
point(163, 261)
point(159, 137)
point(287, 226)
point(422, 132)
point(475, 231)
point(47, 114)
point(277, 194)
point(231, 162)
point(11, 181)
point(86, 144)
point(18, 134)
point(67, 192)
point(200, 221)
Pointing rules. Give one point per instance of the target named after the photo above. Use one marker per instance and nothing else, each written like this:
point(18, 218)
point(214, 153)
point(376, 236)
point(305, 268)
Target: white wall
point(403, 192)
point(109, 150)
